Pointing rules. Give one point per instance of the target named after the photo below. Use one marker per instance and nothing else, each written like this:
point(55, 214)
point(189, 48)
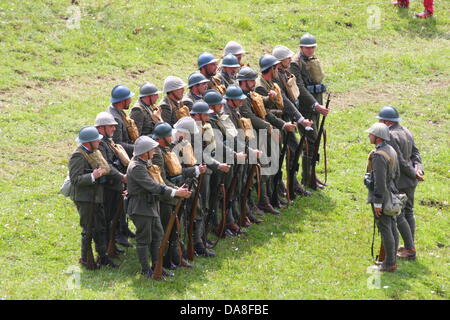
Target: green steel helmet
point(389, 113)
point(120, 93)
point(105, 119)
point(380, 130)
point(234, 48)
point(205, 58)
point(230, 61)
point(267, 61)
point(148, 89)
point(172, 83)
point(308, 40)
point(196, 78)
point(282, 52)
point(213, 97)
point(234, 93)
point(199, 107)
point(88, 134)
point(162, 130)
point(247, 73)
point(144, 144)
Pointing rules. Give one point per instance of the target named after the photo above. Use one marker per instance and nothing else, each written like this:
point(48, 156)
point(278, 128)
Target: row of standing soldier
point(126, 164)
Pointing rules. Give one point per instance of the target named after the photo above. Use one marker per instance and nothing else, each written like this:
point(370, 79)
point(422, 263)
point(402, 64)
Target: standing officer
point(86, 167)
point(143, 204)
point(383, 164)
point(411, 172)
point(145, 112)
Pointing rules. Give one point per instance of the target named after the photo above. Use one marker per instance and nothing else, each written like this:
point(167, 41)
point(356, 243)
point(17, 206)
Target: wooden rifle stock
point(194, 207)
point(112, 248)
point(247, 187)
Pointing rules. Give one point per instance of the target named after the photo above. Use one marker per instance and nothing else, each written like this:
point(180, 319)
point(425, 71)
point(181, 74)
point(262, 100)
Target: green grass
point(54, 80)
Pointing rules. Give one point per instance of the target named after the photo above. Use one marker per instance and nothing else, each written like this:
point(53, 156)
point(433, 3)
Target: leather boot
point(201, 250)
point(424, 14)
point(256, 211)
point(106, 261)
point(299, 190)
point(407, 254)
point(267, 207)
point(384, 268)
point(122, 240)
point(235, 228)
point(253, 219)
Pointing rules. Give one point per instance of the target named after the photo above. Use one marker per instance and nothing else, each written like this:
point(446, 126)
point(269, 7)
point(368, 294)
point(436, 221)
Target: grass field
point(55, 79)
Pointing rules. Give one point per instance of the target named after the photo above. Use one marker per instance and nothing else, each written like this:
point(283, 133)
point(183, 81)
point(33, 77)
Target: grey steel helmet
point(172, 83)
point(282, 52)
point(186, 125)
point(247, 73)
point(308, 40)
point(148, 89)
point(230, 61)
point(88, 134)
point(234, 48)
point(380, 130)
point(389, 113)
point(105, 119)
point(144, 144)
point(196, 78)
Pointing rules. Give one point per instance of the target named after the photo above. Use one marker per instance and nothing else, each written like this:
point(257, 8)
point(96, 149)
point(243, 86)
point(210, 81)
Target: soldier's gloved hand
point(322, 110)
point(224, 167)
point(183, 193)
point(202, 168)
point(307, 123)
point(98, 173)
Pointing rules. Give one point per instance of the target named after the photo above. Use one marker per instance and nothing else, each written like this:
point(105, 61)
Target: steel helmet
point(88, 134)
point(389, 113)
point(162, 130)
point(282, 52)
point(120, 93)
point(230, 61)
point(308, 40)
point(247, 73)
point(199, 107)
point(148, 89)
point(172, 83)
point(205, 58)
point(196, 78)
point(380, 130)
point(213, 97)
point(234, 48)
point(234, 93)
point(186, 125)
point(144, 144)
point(105, 119)
point(267, 61)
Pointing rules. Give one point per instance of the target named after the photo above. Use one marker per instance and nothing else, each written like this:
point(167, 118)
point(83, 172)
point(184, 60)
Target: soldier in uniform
point(86, 168)
point(207, 65)
point(273, 101)
point(306, 68)
point(143, 204)
point(198, 85)
point(173, 175)
point(385, 172)
point(172, 107)
point(114, 182)
point(285, 81)
point(235, 49)
point(411, 172)
point(145, 112)
point(230, 67)
point(120, 101)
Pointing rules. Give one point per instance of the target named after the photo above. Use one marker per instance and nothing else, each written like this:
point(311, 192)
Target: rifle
point(112, 248)
point(246, 191)
point(278, 176)
point(194, 207)
point(90, 263)
point(315, 158)
point(381, 255)
point(157, 272)
point(295, 166)
point(224, 215)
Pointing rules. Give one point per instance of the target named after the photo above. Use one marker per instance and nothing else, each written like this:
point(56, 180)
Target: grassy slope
point(54, 80)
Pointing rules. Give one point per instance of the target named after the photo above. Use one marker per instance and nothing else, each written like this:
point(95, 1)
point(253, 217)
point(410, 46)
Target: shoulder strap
point(386, 156)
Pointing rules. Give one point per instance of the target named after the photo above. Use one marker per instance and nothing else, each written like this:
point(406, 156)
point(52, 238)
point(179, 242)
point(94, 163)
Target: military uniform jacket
point(113, 180)
point(143, 191)
point(83, 188)
point(263, 87)
point(290, 111)
point(306, 99)
point(226, 80)
point(385, 175)
point(120, 136)
point(235, 117)
point(189, 99)
point(168, 109)
point(408, 155)
point(141, 114)
point(246, 111)
point(220, 141)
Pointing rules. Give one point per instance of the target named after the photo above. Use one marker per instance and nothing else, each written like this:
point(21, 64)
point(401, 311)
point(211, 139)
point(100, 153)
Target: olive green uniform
point(142, 116)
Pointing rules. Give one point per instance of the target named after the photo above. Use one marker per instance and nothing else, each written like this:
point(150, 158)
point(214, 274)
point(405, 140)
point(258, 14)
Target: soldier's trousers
point(389, 235)
point(406, 221)
point(149, 233)
point(111, 204)
point(86, 210)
